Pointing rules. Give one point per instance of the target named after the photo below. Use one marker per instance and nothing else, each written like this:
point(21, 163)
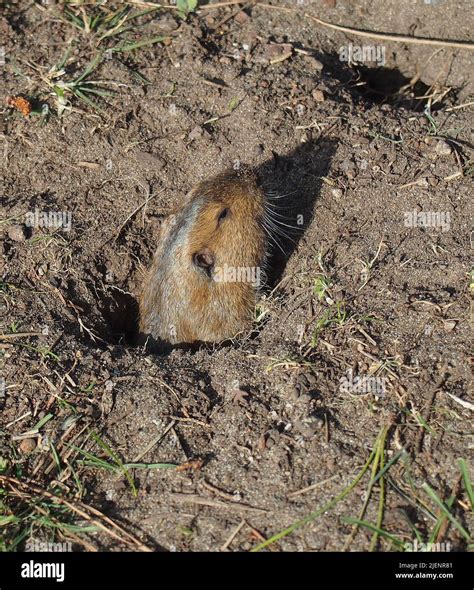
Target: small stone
point(313, 64)
point(423, 182)
point(262, 442)
point(303, 428)
point(312, 379)
point(42, 269)
point(449, 325)
point(150, 160)
point(337, 193)
point(443, 148)
point(269, 443)
point(318, 95)
point(119, 486)
point(27, 445)
point(17, 233)
point(348, 168)
point(300, 109)
point(241, 17)
point(276, 52)
point(196, 132)
point(167, 23)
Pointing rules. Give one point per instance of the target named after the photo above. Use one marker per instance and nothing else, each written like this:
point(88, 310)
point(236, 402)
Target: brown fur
point(180, 302)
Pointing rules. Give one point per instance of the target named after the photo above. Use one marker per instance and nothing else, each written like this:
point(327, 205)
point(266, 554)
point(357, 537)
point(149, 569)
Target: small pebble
point(318, 95)
point(443, 148)
point(241, 17)
point(17, 233)
point(27, 445)
point(313, 63)
point(150, 160)
point(196, 133)
point(312, 379)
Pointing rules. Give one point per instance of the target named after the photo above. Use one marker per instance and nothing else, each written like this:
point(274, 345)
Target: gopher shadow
point(293, 185)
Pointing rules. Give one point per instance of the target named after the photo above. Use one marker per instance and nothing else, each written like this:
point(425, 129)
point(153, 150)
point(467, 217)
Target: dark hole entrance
point(120, 312)
point(389, 86)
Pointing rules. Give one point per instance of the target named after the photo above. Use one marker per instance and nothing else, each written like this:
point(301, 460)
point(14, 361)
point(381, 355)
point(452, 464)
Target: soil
point(360, 292)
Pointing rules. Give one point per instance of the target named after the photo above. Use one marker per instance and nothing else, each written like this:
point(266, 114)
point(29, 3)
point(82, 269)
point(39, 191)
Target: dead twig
point(234, 533)
point(203, 501)
point(393, 36)
point(19, 335)
point(311, 487)
point(135, 211)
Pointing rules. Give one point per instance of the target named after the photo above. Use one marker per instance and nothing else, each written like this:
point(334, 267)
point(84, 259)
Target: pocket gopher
point(209, 264)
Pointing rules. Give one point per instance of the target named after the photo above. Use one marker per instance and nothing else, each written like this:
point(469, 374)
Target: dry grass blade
point(394, 37)
point(92, 515)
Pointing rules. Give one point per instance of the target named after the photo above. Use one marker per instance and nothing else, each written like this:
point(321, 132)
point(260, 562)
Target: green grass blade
point(467, 481)
point(150, 465)
point(432, 494)
point(441, 520)
point(8, 519)
point(138, 44)
point(376, 529)
point(42, 422)
point(117, 460)
point(93, 460)
point(87, 100)
point(90, 68)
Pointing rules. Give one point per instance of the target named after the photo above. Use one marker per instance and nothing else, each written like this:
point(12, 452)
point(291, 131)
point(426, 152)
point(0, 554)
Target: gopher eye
point(223, 214)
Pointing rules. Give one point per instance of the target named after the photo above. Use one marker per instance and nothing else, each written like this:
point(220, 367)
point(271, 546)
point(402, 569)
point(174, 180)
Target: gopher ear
point(204, 258)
